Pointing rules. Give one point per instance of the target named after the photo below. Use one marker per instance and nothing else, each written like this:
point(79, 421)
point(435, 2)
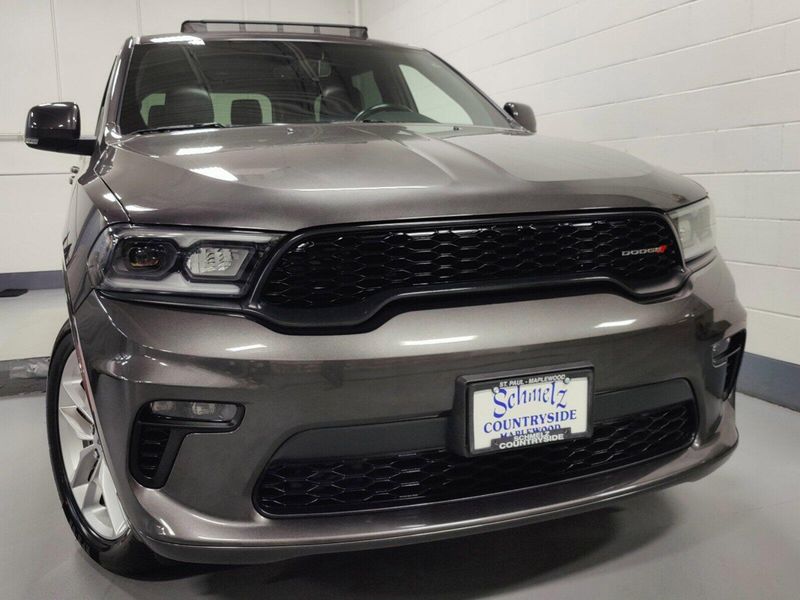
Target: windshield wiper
point(163, 128)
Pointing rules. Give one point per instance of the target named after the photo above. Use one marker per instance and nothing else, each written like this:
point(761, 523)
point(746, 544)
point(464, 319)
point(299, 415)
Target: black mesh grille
point(336, 485)
point(150, 449)
point(334, 269)
point(736, 352)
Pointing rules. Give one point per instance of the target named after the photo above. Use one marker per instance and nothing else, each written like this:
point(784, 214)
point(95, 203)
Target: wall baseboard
point(770, 379)
point(27, 376)
point(33, 280)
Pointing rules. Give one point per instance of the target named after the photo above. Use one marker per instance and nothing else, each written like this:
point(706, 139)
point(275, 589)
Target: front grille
point(330, 269)
point(352, 484)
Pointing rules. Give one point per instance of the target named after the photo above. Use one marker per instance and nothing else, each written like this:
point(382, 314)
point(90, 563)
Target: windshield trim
point(212, 128)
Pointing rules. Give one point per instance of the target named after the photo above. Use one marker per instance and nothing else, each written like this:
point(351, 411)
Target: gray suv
point(325, 295)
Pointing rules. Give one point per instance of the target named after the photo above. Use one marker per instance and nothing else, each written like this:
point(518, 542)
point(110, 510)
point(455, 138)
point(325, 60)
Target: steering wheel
point(378, 108)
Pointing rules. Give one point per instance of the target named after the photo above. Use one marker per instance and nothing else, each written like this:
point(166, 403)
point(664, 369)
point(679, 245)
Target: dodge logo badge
point(657, 250)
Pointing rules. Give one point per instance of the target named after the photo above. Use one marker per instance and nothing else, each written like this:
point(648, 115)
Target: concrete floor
point(735, 534)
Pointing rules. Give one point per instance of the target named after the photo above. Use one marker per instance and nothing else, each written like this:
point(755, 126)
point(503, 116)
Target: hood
point(284, 178)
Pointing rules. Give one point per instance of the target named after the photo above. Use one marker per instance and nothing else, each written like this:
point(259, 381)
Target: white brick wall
point(709, 88)
point(62, 50)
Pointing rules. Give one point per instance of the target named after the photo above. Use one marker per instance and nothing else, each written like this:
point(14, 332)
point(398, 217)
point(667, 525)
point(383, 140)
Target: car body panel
point(285, 178)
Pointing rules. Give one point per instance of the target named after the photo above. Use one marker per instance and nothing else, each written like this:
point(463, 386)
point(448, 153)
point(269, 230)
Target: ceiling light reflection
point(216, 173)
point(433, 341)
point(615, 323)
point(243, 348)
point(356, 189)
point(198, 150)
point(186, 39)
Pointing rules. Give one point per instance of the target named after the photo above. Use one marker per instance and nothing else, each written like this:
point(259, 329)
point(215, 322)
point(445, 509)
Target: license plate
point(528, 410)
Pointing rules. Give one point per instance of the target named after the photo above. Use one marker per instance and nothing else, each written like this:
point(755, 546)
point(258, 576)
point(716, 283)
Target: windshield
point(239, 83)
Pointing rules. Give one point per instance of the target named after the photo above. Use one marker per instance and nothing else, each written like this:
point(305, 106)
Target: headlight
point(177, 261)
point(696, 228)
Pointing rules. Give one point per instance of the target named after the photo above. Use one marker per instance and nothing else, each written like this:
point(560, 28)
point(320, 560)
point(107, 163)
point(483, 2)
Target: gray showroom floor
point(733, 535)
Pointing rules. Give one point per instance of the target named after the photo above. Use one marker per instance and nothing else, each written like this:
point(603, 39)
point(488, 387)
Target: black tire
point(125, 555)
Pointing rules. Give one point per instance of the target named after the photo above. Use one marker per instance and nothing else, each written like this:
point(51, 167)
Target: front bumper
point(406, 369)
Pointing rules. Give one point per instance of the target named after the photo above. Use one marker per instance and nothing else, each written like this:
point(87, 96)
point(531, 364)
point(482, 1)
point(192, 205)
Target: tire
point(115, 547)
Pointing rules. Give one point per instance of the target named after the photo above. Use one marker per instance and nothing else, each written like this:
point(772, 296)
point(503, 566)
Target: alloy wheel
point(84, 462)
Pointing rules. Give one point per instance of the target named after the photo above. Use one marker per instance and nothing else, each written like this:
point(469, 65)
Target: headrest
point(246, 112)
point(188, 105)
point(156, 116)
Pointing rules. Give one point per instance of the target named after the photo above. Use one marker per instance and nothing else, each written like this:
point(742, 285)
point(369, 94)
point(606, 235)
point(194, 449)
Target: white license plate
point(528, 410)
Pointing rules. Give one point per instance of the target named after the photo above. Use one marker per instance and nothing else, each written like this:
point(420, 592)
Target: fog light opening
point(161, 426)
point(727, 353)
point(210, 412)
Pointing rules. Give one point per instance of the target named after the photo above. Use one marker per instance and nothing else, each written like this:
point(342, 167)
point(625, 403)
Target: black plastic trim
point(434, 432)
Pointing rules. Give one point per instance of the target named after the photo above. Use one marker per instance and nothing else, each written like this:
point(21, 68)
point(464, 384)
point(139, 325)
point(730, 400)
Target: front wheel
point(85, 488)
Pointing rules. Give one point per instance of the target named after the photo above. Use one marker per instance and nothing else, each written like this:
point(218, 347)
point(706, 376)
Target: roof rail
point(353, 31)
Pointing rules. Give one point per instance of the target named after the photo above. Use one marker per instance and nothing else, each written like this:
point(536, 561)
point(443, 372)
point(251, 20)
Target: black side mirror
point(522, 114)
point(57, 127)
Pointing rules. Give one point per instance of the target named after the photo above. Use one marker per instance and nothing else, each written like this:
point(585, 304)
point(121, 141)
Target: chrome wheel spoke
point(115, 513)
point(89, 478)
point(75, 419)
point(85, 467)
point(91, 498)
point(79, 493)
point(73, 389)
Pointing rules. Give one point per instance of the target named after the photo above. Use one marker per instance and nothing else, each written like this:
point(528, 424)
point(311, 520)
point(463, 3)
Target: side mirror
point(522, 114)
point(57, 127)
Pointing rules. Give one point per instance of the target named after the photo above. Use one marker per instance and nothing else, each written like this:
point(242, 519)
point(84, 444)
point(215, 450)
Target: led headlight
point(181, 261)
point(216, 261)
point(696, 228)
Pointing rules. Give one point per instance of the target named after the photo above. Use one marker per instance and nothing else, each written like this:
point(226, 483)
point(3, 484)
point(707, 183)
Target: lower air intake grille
point(353, 484)
point(150, 449)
